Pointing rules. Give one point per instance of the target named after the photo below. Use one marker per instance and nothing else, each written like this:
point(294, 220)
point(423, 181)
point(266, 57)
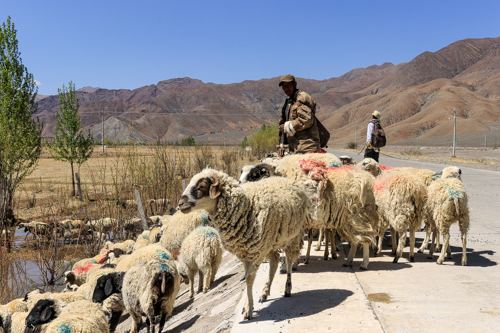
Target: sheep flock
point(269, 211)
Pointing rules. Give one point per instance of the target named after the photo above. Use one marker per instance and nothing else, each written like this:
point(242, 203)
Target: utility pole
point(484, 140)
point(356, 137)
point(454, 128)
point(102, 114)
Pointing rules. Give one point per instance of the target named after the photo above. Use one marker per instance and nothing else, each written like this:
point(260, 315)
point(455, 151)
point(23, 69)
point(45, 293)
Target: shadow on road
point(300, 305)
point(185, 325)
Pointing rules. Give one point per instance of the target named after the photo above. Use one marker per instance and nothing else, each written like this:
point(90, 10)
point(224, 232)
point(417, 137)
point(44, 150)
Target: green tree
point(188, 141)
point(265, 139)
point(244, 143)
point(20, 133)
point(70, 144)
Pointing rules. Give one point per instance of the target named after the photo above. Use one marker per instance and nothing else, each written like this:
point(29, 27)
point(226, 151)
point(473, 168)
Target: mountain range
point(415, 99)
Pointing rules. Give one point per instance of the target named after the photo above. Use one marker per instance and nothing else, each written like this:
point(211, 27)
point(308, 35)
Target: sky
point(129, 44)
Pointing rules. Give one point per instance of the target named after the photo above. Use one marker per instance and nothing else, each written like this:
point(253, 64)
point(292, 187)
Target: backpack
point(324, 135)
point(378, 135)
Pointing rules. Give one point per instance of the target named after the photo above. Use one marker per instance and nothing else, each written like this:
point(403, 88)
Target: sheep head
point(451, 172)
point(44, 311)
point(107, 285)
point(253, 173)
point(202, 192)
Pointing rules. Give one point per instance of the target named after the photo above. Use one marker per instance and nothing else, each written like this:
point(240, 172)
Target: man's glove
point(289, 128)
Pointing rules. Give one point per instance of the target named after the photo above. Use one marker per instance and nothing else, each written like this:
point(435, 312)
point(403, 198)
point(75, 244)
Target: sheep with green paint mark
point(178, 226)
point(80, 317)
point(201, 252)
point(149, 289)
point(141, 255)
point(142, 240)
point(447, 203)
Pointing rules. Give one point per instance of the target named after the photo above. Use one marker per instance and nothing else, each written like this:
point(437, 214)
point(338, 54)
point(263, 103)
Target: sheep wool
point(201, 252)
point(401, 199)
point(447, 203)
point(69, 297)
point(178, 226)
point(80, 317)
point(13, 322)
point(149, 289)
point(16, 305)
point(254, 220)
point(141, 255)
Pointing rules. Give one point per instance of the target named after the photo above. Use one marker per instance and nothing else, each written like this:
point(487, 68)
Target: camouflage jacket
point(301, 114)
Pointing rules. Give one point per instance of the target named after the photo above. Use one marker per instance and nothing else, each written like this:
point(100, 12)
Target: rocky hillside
point(415, 99)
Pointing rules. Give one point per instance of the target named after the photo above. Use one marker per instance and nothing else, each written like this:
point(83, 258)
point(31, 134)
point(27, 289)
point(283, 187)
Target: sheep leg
point(288, 284)
point(448, 252)
point(309, 243)
point(431, 249)
point(333, 233)
point(412, 243)
point(137, 322)
point(274, 258)
point(327, 240)
point(379, 246)
point(393, 239)
point(401, 245)
point(208, 276)
point(464, 248)
point(163, 317)
point(446, 243)
point(366, 257)
point(350, 256)
point(320, 238)
point(191, 275)
point(425, 243)
point(249, 279)
point(200, 280)
point(438, 247)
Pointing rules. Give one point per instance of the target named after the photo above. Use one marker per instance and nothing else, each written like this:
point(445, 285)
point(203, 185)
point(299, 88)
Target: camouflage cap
point(287, 78)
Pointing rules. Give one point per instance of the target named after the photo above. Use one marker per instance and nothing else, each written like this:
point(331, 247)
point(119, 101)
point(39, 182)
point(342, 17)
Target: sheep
point(201, 252)
point(107, 291)
point(142, 240)
point(104, 225)
point(79, 275)
point(36, 229)
point(127, 204)
point(330, 160)
point(347, 202)
point(133, 227)
point(16, 305)
point(254, 221)
point(447, 203)
point(34, 296)
point(13, 322)
point(347, 160)
point(400, 198)
point(79, 317)
point(155, 235)
point(149, 289)
point(178, 226)
point(127, 246)
point(44, 311)
point(141, 255)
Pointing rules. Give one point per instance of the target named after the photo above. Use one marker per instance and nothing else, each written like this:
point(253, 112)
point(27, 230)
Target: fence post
point(77, 176)
point(183, 185)
point(141, 210)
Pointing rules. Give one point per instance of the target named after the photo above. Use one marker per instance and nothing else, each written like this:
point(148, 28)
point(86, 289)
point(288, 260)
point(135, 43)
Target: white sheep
point(141, 255)
point(201, 252)
point(13, 322)
point(16, 305)
point(142, 240)
point(254, 221)
point(400, 198)
point(127, 246)
point(34, 296)
point(44, 311)
point(37, 229)
point(447, 203)
point(80, 317)
point(149, 289)
point(178, 226)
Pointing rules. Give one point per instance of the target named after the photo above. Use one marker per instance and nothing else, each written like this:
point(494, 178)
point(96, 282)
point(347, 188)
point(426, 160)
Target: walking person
point(298, 121)
point(370, 150)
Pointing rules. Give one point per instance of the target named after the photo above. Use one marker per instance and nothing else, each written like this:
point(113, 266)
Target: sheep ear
point(214, 188)
point(108, 287)
point(46, 314)
point(70, 277)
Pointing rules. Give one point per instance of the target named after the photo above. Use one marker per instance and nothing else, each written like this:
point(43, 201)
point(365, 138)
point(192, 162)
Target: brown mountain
point(415, 98)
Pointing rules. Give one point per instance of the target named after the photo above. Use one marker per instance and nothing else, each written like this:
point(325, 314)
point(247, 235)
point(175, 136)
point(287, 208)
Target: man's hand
point(369, 144)
point(282, 127)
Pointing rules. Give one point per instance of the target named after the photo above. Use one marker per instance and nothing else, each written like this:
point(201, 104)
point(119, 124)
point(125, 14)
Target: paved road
point(404, 297)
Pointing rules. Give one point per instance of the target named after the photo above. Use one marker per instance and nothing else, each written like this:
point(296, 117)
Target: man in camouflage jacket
point(298, 120)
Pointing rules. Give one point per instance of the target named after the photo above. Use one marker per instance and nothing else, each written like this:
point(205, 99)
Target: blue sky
point(129, 44)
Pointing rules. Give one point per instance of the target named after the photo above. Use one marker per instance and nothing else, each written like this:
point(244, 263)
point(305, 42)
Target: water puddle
point(380, 297)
